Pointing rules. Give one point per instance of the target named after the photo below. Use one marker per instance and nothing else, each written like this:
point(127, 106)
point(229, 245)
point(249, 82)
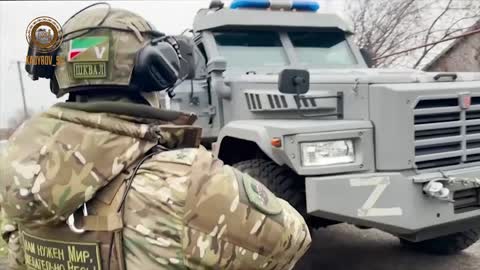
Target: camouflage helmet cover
point(119, 38)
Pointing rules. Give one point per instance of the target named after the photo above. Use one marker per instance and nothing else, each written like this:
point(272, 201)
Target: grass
point(3, 250)
point(3, 245)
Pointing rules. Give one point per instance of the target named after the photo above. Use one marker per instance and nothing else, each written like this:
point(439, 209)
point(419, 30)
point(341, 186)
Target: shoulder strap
point(129, 182)
point(200, 173)
point(109, 202)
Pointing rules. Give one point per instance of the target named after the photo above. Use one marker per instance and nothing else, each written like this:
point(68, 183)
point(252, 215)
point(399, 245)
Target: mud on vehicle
point(396, 150)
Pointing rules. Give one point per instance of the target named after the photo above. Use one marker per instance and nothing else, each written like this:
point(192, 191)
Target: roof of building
point(452, 46)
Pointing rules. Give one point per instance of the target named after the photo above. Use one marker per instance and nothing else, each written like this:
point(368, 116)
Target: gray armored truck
point(396, 150)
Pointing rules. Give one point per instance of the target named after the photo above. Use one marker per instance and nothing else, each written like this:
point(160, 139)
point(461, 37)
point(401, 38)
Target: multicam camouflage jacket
point(185, 209)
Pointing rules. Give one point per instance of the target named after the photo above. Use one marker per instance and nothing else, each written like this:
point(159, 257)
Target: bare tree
point(384, 27)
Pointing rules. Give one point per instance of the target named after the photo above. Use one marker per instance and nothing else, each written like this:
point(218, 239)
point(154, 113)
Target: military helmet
point(112, 49)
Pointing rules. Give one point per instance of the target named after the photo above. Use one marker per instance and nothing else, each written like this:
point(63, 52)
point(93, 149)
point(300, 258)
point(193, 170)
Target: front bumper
point(394, 202)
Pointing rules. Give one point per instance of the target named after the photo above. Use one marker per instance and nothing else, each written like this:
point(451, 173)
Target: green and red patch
point(89, 49)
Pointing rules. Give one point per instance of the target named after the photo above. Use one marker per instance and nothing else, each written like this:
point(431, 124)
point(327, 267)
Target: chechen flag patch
point(89, 49)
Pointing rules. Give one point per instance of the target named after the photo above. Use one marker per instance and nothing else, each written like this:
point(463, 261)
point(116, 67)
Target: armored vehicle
point(396, 150)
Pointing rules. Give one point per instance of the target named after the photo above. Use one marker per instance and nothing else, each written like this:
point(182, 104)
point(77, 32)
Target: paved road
point(344, 247)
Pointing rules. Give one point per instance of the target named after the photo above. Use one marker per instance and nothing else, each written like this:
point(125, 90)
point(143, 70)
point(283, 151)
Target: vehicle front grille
point(466, 200)
point(447, 132)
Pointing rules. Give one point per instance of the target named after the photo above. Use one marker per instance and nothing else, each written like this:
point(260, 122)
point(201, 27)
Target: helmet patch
point(89, 56)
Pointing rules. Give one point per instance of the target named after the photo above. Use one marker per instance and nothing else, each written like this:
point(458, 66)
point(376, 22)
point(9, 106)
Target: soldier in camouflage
point(129, 178)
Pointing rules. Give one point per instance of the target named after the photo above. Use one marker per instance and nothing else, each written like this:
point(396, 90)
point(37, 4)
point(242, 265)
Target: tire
point(446, 245)
point(284, 183)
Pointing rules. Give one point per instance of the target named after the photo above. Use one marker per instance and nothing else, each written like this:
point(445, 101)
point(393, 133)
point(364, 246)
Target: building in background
point(463, 55)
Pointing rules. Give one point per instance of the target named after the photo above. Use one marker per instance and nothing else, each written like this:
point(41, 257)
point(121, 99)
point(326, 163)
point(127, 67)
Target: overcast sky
point(171, 17)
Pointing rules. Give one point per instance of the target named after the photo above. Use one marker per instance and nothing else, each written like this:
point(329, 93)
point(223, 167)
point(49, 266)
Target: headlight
point(327, 153)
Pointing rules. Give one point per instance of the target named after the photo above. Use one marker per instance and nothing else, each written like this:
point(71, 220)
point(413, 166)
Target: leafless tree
point(384, 27)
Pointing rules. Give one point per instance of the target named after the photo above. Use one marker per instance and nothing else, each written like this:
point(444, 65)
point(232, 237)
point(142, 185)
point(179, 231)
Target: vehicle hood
point(364, 76)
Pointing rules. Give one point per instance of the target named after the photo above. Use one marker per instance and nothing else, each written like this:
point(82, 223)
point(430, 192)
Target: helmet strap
point(106, 94)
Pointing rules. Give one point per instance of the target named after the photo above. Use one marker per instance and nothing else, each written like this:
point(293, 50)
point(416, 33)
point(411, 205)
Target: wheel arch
point(242, 149)
point(239, 141)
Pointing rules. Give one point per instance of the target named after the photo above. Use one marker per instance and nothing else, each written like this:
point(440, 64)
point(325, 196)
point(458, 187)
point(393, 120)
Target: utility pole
point(22, 88)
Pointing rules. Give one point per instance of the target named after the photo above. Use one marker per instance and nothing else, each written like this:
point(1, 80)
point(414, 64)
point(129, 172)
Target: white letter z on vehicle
point(381, 184)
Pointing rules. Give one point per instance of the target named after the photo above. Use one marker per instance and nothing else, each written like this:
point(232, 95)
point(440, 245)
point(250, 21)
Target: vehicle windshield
point(322, 49)
point(248, 49)
point(256, 49)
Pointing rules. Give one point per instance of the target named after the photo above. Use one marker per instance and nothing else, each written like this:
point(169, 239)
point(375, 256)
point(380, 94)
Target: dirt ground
point(344, 247)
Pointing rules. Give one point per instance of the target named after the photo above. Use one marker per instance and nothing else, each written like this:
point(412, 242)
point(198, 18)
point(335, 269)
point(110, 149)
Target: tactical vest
point(89, 242)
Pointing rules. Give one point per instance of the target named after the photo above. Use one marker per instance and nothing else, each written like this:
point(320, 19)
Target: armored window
point(322, 49)
point(250, 49)
point(200, 62)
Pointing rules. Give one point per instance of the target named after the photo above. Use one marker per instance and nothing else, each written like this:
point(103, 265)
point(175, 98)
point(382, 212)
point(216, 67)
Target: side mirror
point(367, 57)
point(216, 64)
point(294, 81)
